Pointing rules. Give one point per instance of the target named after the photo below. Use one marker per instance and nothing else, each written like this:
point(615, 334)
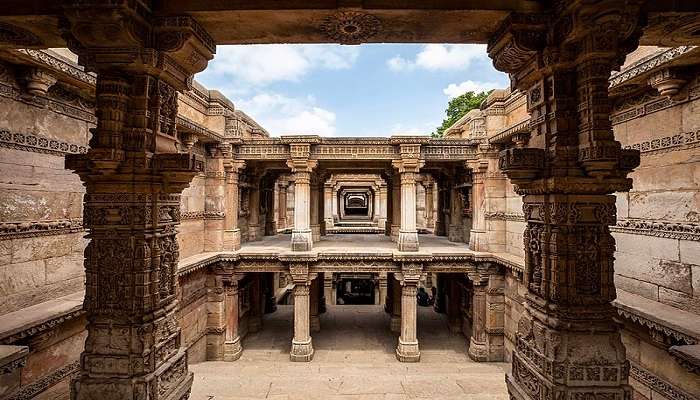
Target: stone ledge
point(678, 324)
point(12, 357)
point(687, 356)
point(40, 317)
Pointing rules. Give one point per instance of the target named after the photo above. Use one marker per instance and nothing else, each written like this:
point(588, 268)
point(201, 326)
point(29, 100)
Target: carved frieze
point(12, 230)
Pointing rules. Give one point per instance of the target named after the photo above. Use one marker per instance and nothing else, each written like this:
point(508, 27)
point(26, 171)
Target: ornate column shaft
point(254, 204)
point(214, 199)
point(328, 207)
point(133, 176)
point(396, 206)
point(335, 205)
point(478, 350)
point(429, 206)
point(395, 323)
point(407, 350)
point(409, 166)
point(314, 299)
point(216, 317)
point(282, 206)
point(382, 206)
point(567, 344)
point(302, 347)
point(456, 228)
point(232, 345)
point(314, 205)
point(301, 168)
point(477, 236)
point(232, 234)
point(382, 288)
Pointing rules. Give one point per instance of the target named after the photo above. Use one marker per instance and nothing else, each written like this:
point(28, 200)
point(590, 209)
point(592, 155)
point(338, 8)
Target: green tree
point(458, 107)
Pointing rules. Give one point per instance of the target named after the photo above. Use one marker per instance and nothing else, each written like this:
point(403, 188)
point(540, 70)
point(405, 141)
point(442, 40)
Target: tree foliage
point(458, 107)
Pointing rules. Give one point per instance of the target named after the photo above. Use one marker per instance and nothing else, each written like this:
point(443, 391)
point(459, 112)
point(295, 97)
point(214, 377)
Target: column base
point(408, 241)
point(232, 240)
point(478, 351)
point(315, 233)
point(302, 240)
point(301, 351)
point(407, 351)
point(171, 381)
point(478, 240)
point(233, 350)
point(395, 325)
point(315, 323)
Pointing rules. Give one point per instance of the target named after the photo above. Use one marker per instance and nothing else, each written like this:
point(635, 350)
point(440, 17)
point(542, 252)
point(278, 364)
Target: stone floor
point(354, 359)
point(357, 242)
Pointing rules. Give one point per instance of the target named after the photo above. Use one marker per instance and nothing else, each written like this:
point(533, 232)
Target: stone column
point(382, 288)
point(302, 239)
point(568, 345)
point(478, 348)
point(282, 205)
point(214, 199)
point(256, 304)
point(395, 324)
point(440, 217)
point(455, 230)
point(216, 317)
point(407, 349)
point(382, 206)
point(302, 347)
point(232, 345)
point(408, 167)
point(232, 234)
point(477, 236)
point(133, 177)
point(395, 206)
point(314, 215)
point(389, 299)
point(254, 208)
point(328, 208)
point(314, 299)
point(429, 206)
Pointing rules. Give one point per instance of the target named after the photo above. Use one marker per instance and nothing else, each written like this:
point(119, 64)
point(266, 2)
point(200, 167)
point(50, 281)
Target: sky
point(339, 90)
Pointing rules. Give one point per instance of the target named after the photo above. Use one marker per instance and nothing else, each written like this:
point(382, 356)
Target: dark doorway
point(352, 290)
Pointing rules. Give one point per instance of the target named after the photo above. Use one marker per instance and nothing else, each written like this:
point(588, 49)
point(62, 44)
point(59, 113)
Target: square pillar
point(407, 349)
point(214, 199)
point(382, 283)
point(254, 208)
point(302, 347)
point(302, 239)
point(282, 205)
point(232, 345)
point(408, 169)
point(314, 300)
point(395, 324)
point(216, 318)
point(232, 234)
point(395, 206)
point(477, 236)
point(328, 206)
point(314, 213)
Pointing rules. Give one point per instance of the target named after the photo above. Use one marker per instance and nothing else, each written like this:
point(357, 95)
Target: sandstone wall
point(658, 255)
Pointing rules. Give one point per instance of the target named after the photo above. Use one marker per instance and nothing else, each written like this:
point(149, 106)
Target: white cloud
point(260, 65)
point(440, 57)
point(282, 115)
point(421, 129)
point(453, 90)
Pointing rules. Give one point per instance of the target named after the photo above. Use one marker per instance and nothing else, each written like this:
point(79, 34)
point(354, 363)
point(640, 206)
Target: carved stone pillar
point(254, 233)
point(133, 178)
point(301, 166)
point(232, 234)
point(328, 287)
point(282, 205)
point(216, 317)
point(314, 189)
point(328, 206)
point(214, 199)
point(302, 347)
point(314, 299)
point(395, 206)
point(440, 218)
point(429, 206)
point(477, 236)
point(257, 302)
point(455, 229)
point(407, 350)
point(409, 166)
point(335, 205)
point(478, 347)
point(395, 323)
point(567, 344)
point(381, 206)
point(232, 345)
point(382, 288)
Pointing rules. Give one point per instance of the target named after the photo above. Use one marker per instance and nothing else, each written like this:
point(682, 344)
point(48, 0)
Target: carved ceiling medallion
point(350, 27)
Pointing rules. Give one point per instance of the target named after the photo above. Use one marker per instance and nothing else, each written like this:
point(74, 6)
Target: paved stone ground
point(354, 359)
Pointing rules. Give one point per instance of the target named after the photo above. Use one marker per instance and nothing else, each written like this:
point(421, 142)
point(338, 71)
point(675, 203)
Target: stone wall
point(658, 230)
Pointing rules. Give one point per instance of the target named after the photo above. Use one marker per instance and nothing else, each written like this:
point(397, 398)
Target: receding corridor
point(354, 359)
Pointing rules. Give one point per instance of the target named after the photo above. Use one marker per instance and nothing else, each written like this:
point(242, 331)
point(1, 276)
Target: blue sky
point(335, 90)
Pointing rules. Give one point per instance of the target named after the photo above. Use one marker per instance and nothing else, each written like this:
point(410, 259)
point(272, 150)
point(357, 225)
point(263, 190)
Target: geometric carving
point(350, 27)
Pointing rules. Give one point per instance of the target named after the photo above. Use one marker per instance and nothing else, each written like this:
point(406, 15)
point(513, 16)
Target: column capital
point(408, 165)
point(301, 165)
